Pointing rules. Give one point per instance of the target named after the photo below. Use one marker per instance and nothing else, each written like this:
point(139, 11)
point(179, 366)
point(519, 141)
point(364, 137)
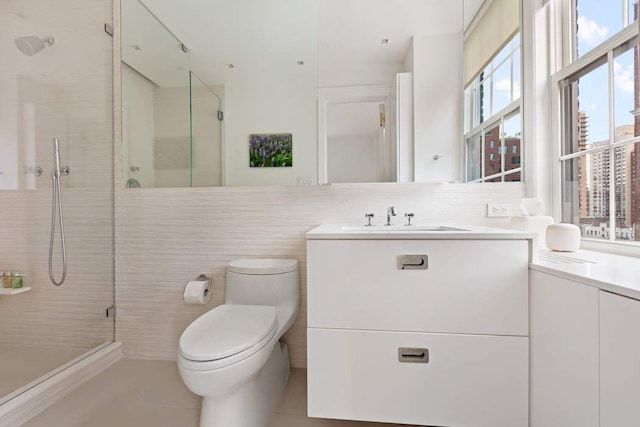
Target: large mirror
point(293, 92)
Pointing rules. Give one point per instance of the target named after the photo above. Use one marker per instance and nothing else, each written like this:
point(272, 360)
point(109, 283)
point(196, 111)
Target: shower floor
point(21, 365)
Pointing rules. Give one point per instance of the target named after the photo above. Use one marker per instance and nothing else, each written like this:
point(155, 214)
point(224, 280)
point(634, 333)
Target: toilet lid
point(227, 330)
point(263, 266)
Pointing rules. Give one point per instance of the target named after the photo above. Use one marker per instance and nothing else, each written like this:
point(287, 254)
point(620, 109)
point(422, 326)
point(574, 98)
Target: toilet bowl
point(232, 356)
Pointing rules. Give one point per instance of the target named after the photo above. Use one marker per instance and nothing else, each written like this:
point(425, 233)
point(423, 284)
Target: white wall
point(437, 82)
point(358, 74)
point(280, 102)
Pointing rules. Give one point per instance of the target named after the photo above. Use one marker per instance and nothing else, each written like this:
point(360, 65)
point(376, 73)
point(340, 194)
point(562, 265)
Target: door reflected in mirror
point(357, 143)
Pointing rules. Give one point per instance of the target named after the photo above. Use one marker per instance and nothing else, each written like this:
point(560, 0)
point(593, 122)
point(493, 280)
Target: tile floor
point(139, 393)
point(20, 365)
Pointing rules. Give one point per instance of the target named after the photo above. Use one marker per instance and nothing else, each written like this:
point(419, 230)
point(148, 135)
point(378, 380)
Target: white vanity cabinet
point(564, 353)
point(619, 361)
point(442, 341)
point(585, 355)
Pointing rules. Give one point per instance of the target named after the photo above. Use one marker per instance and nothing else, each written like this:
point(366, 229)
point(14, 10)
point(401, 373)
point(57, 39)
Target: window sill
point(616, 247)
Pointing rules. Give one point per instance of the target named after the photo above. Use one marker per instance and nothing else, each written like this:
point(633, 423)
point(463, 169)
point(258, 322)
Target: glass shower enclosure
point(56, 72)
point(172, 122)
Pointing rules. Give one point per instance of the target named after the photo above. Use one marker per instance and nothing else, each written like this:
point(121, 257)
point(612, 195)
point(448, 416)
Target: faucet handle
point(409, 216)
point(369, 216)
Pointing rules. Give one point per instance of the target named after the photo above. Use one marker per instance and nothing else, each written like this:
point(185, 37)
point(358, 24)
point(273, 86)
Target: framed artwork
point(270, 150)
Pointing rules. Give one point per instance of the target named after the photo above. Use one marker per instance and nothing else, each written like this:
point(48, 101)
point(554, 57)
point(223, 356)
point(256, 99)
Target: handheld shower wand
point(57, 203)
point(56, 157)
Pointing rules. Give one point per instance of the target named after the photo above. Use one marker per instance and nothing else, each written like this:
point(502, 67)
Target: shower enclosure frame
point(27, 401)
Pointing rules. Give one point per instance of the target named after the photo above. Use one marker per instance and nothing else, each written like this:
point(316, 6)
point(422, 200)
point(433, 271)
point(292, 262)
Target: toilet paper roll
point(196, 292)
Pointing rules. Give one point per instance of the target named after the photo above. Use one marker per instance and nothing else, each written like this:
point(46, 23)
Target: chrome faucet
point(391, 211)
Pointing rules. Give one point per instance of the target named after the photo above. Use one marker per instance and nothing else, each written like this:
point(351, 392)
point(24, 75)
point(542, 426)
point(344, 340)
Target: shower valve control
point(64, 171)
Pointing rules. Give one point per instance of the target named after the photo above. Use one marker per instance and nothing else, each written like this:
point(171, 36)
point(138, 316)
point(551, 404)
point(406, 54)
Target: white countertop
point(334, 231)
point(614, 273)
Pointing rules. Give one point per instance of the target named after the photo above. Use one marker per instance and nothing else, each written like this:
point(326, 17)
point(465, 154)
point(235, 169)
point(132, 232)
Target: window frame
point(472, 108)
point(574, 66)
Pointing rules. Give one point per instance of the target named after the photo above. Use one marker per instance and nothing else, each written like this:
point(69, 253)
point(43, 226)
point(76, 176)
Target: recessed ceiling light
point(136, 47)
point(384, 41)
point(300, 62)
point(231, 66)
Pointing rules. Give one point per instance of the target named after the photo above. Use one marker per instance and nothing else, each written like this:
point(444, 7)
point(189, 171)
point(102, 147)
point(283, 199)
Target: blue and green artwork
point(272, 150)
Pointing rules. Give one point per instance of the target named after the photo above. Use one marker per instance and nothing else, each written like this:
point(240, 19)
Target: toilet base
point(253, 404)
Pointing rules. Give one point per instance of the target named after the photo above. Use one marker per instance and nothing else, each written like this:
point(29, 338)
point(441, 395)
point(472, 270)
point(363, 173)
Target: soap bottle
point(6, 280)
point(17, 282)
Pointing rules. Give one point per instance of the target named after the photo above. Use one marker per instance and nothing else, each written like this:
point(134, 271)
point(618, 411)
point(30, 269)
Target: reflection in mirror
point(492, 101)
point(356, 142)
point(206, 134)
point(368, 90)
point(406, 52)
point(170, 128)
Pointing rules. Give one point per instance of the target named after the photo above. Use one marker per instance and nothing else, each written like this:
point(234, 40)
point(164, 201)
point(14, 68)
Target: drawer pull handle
point(413, 262)
point(413, 355)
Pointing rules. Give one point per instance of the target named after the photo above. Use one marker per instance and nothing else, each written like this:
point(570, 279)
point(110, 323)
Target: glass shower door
point(55, 82)
point(206, 134)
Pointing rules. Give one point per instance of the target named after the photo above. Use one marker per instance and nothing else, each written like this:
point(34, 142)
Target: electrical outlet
point(498, 210)
point(304, 180)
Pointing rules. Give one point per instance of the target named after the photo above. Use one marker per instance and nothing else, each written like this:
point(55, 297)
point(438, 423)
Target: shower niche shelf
point(11, 291)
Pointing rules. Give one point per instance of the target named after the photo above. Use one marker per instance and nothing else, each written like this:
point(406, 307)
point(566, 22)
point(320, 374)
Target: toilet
point(232, 355)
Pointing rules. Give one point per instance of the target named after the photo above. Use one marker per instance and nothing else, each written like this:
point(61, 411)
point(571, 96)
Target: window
point(514, 149)
point(492, 113)
point(600, 121)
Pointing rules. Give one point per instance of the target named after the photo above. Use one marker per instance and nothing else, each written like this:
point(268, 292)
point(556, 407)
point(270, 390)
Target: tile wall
point(166, 237)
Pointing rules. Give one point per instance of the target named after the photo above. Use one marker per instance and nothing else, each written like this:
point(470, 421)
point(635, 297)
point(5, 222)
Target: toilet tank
point(273, 282)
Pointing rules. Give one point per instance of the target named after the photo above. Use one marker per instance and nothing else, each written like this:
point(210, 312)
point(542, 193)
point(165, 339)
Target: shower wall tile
point(64, 91)
point(166, 237)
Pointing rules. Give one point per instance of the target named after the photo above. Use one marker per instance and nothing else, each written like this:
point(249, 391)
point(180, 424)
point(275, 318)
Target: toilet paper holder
point(203, 278)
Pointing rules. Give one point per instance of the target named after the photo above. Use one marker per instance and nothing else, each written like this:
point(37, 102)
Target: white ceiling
point(352, 30)
point(263, 34)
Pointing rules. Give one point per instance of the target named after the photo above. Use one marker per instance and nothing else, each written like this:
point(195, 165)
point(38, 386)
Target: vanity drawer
point(469, 380)
point(468, 286)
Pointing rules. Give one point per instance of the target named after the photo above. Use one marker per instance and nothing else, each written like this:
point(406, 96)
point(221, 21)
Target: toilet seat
point(227, 334)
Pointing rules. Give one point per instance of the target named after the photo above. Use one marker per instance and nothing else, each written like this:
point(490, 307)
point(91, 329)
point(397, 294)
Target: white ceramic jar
point(563, 237)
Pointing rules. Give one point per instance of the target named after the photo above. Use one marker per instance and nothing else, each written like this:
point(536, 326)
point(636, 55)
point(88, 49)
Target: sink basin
point(398, 228)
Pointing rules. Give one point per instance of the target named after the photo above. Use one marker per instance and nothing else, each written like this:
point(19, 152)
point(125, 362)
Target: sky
point(598, 20)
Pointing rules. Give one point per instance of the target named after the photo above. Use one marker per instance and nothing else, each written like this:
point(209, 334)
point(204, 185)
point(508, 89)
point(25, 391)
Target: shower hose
point(57, 203)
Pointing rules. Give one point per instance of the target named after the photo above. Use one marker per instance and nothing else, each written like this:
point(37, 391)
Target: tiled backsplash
point(166, 237)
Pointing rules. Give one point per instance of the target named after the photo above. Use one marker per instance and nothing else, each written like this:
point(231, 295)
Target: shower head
point(31, 45)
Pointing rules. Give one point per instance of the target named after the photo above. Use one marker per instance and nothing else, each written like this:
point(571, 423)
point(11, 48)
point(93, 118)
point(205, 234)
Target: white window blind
point(489, 31)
